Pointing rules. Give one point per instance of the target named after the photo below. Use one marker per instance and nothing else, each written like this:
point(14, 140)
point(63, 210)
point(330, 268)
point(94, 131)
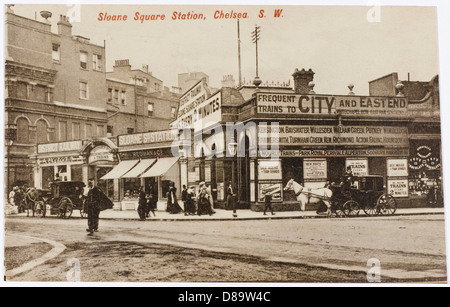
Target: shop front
point(146, 160)
point(318, 137)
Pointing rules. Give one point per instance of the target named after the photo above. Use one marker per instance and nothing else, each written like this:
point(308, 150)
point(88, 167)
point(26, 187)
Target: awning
point(141, 167)
point(160, 167)
point(120, 169)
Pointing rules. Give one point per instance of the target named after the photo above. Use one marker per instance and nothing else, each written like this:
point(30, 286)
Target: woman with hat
point(172, 203)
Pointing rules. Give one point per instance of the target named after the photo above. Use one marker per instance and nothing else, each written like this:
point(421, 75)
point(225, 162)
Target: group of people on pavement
point(200, 203)
point(147, 202)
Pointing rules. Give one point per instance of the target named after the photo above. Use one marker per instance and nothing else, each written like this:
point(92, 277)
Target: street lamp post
point(232, 149)
point(8, 151)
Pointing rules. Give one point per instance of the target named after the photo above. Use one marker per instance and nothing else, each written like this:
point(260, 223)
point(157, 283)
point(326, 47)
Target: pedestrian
point(151, 201)
point(204, 205)
point(172, 203)
point(268, 203)
point(229, 196)
point(231, 199)
point(11, 195)
point(210, 198)
point(189, 206)
point(184, 198)
point(142, 204)
point(96, 201)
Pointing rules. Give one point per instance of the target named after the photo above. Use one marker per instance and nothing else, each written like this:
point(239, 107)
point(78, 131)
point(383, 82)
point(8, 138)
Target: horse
point(32, 196)
point(310, 196)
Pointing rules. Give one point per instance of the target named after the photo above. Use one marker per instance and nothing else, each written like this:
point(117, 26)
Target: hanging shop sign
point(397, 167)
point(273, 188)
point(272, 103)
point(398, 187)
point(292, 135)
point(314, 169)
point(269, 170)
point(359, 167)
point(101, 153)
point(60, 147)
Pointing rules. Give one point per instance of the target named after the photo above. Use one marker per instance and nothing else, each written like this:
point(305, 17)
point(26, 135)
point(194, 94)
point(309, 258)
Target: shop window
point(165, 188)
point(47, 176)
point(76, 172)
point(131, 188)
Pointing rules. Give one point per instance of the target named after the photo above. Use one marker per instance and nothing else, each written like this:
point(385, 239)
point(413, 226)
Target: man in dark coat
point(96, 201)
point(142, 208)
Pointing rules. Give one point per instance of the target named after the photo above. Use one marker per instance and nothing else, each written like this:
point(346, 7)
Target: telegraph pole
point(255, 39)
point(239, 53)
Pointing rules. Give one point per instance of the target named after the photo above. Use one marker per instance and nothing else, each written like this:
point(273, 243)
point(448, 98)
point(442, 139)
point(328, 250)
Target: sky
point(342, 44)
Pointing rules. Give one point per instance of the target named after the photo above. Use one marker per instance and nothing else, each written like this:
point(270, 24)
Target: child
point(268, 203)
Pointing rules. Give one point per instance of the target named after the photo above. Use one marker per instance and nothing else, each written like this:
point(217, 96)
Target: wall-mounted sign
point(75, 159)
point(397, 167)
point(292, 135)
point(398, 187)
point(147, 137)
point(205, 114)
point(101, 153)
point(269, 170)
point(359, 166)
point(60, 147)
point(146, 154)
point(305, 153)
point(314, 169)
point(277, 103)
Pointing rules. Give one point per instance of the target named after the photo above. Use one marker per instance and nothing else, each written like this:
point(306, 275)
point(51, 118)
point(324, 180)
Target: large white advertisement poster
point(398, 187)
point(314, 169)
point(269, 170)
point(397, 167)
point(359, 166)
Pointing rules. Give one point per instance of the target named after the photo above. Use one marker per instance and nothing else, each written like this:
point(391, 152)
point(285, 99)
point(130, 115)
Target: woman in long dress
point(172, 203)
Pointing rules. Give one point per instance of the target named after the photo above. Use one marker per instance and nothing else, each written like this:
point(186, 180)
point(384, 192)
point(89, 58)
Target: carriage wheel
point(351, 208)
point(338, 210)
point(371, 210)
point(65, 208)
point(386, 204)
point(40, 208)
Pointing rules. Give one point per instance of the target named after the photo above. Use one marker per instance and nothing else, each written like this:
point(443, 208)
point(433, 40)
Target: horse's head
point(289, 185)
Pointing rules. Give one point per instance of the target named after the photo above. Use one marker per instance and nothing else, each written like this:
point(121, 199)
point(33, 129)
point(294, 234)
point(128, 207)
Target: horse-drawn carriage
point(365, 192)
point(65, 197)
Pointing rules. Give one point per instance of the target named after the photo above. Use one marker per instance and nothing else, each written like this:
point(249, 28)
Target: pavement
point(222, 215)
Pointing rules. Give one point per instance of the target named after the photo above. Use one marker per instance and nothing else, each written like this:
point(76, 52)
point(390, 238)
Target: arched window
point(22, 131)
point(41, 132)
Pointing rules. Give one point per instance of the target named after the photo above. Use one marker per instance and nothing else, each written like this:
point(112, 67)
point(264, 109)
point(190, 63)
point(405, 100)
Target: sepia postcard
point(258, 144)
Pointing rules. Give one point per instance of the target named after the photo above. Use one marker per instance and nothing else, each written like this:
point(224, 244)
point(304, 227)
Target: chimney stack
point(302, 79)
point(228, 81)
point(64, 26)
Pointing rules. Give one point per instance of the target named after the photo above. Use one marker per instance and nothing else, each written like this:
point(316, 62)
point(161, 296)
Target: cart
point(66, 196)
point(366, 193)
